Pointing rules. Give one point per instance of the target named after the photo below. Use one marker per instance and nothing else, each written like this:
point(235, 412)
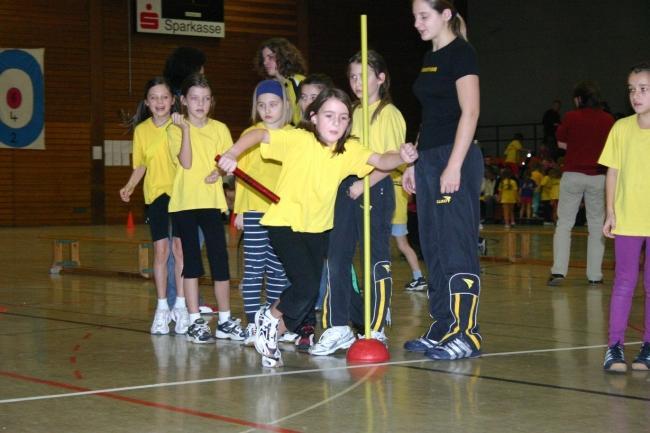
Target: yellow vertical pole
point(366, 181)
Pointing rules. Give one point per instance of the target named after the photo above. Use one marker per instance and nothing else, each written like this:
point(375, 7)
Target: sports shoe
point(161, 319)
point(266, 341)
point(642, 361)
point(274, 361)
point(376, 335)
point(416, 285)
point(595, 282)
point(259, 316)
point(199, 332)
point(615, 359)
point(420, 345)
point(182, 319)
point(288, 337)
point(456, 347)
point(482, 245)
point(555, 279)
point(305, 338)
point(230, 330)
point(333, 339)
point(250, 331)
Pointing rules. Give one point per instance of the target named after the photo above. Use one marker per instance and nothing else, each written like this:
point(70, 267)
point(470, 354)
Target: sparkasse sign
point(181, 17)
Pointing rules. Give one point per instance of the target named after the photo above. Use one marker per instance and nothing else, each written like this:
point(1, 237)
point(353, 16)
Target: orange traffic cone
point(130, 225)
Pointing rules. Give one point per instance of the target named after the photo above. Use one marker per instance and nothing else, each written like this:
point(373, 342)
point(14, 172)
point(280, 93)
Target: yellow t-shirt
point(291, 95)
point(387, 132)
point(508, 191)
point(151, 150)
point(309, 178)
point(265, 171)
point(550, 188)
point(512, 151)
point(627, 150)
point(537, 176)
point(190, 190)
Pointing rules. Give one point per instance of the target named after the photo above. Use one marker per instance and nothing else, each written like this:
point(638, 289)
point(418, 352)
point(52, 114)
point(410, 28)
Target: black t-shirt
point(435, 88)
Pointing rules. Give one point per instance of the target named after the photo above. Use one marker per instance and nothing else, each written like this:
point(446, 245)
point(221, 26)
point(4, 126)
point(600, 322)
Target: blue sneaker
point(420, 345)
point(454, 348)
point(615, 359)
point(642, 361)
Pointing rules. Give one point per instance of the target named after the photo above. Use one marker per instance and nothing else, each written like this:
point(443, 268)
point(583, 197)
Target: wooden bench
point(65, 252)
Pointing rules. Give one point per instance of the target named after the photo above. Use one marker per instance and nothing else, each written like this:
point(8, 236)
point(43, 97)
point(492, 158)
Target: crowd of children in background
point(521, 187)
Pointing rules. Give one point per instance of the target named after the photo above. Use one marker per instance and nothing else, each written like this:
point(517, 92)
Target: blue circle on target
point(24, 136)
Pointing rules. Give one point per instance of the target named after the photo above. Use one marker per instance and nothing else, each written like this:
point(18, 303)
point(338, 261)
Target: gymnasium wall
point(95, 66)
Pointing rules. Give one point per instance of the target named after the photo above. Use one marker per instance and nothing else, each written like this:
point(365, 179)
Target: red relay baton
point(253, 183)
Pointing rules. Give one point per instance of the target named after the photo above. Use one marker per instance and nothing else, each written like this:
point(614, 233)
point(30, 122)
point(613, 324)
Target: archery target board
point(22, 99)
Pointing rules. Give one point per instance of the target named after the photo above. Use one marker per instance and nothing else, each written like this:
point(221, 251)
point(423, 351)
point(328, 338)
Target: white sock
point(162, 304)
point(224, 316)
point(180, 303)
point(194, 317)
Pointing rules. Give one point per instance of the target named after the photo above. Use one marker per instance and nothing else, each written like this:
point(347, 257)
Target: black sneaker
point(615, 359)
point(555, 279)
point(416, 285)
point(199, 332)
point(642, 361)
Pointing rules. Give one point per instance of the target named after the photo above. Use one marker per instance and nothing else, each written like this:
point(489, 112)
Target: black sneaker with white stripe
point(642, 361)
point(455, 348)
point(615, 359)
point(199, 332)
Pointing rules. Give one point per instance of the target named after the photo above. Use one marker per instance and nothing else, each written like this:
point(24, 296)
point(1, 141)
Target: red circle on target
point(14, 98)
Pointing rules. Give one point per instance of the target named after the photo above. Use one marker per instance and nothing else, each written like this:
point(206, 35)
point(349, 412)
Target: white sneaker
point(250, 332)
point(160, 325)
point(182, 319)
point(266, 341)
point(376, 335)
point(288, 337)
point(333, 339)
point(274, 361)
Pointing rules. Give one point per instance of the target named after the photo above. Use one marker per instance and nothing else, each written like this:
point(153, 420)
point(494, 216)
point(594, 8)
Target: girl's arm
point(390, 160)
point(136, 177)
point(228, 161)
point(469, 101)
point(610, 196)
point(185, 154)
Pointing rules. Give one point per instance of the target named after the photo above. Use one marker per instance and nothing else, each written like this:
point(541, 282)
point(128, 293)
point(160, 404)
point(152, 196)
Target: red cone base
point(367, 351)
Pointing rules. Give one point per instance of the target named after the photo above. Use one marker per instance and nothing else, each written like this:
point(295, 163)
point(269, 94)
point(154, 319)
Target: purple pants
point(627, 250)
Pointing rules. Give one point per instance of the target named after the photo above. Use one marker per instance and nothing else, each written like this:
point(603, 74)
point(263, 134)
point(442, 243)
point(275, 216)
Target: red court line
point(167, 407)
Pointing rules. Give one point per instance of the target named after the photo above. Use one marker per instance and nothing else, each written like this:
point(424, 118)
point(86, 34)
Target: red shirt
point(584, 131)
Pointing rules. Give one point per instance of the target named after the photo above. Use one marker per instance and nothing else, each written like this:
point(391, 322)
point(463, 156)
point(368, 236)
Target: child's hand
point(239, 221)
point(356, 190)
point(408, 152)
point(228, 162)
point(408, 180)
point(212, 177)
point(125, 193)
point(610, 224)
point(179, 120)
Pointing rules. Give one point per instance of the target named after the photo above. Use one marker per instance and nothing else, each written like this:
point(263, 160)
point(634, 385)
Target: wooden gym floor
point(76, 356)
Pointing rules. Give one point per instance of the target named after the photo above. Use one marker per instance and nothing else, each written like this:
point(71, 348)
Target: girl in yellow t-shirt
point(152, 161)
point(197, 201)
point(315, 159)
point(508, 192)
point(271, 110)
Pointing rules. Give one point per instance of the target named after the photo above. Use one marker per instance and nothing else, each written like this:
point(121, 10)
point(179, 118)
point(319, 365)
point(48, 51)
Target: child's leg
point(177, 251)
point(253, 277)
point(506, 217)
point(411, 258)
point(627, 250)
point(646, 285)
point(215, 242)
point(276, 277)
point(160, 256)
point(187, 226)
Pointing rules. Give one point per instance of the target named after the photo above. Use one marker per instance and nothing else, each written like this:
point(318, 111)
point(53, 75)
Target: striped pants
point(260, 260)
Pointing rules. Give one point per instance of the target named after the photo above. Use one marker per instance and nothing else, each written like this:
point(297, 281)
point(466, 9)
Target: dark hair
point(377, 63)
point(518, 136)
point(195, 80)
point(322, 80)
point(181, 63)
point(588, 94)
point(288, 59)
point(314, 107)
point(640, 67)
point(456, 23)
point(142, 112)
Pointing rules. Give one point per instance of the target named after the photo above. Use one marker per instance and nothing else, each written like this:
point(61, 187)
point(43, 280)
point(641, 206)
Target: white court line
point(281, 373)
